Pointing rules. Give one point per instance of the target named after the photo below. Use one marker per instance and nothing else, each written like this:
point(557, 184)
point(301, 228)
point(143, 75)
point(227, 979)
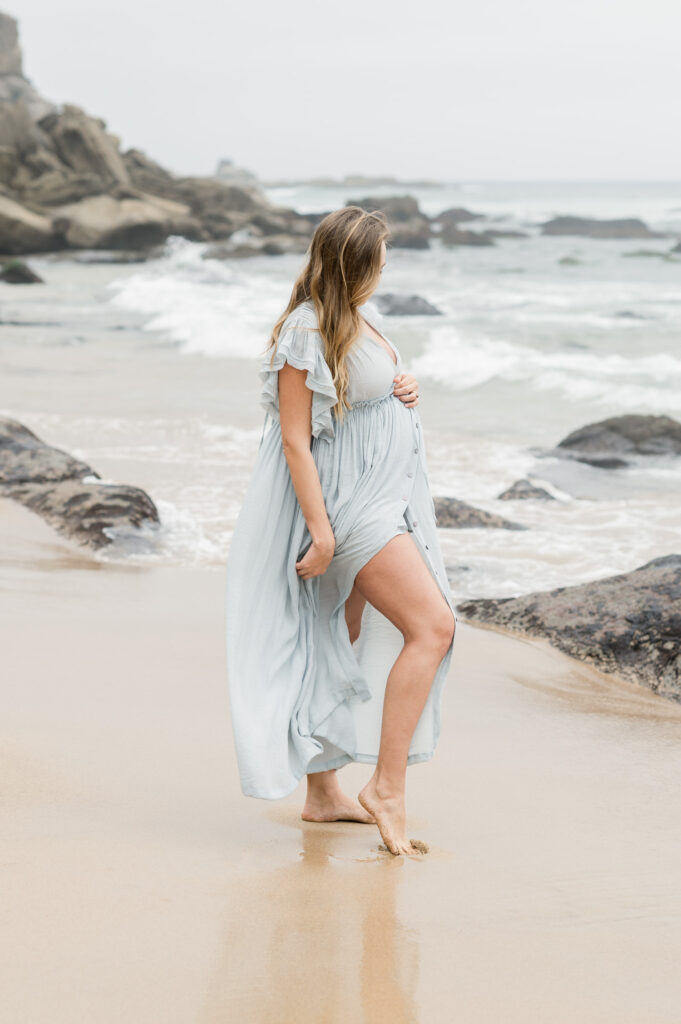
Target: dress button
point(415, 451)
point(410, 475)
point(415, 523)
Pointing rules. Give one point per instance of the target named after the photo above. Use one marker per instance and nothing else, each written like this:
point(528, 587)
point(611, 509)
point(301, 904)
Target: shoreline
point(139, 881)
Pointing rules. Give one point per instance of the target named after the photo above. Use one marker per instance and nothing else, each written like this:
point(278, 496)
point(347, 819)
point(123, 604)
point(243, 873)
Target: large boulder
point(22, 230)
point(105, 222)
point(607, 443)
point(628, 625)
point(89, 513)
point(67, 492)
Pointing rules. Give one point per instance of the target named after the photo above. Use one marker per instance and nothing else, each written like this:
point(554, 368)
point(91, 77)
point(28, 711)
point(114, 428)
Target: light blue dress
point(303, 698)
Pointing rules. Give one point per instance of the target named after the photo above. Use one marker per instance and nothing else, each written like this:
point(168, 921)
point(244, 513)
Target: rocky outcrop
point(525, 489)
point(60, 488)
point(65, 184)
point(391, 304)
point(455, 514)
point(628, 625)
point(590, 227)
point(607, 443)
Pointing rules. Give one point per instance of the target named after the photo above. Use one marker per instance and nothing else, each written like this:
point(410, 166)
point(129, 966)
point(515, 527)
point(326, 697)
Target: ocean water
point(149, 372)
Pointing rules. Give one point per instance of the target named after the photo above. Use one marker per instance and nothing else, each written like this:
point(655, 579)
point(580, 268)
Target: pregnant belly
point(370, 467)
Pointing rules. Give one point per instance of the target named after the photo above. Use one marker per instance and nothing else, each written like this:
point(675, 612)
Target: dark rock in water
point(405, 305)
point(628, 625)
point(590, 227)
point(628, 314)
point(569, 261)
point(456, 215)
point(51, 483)
point(525, 489)
point(409, 227)
point(453, 235)
point(677, 248)
point(18, 272)
point(599, 443)
point(455, 514)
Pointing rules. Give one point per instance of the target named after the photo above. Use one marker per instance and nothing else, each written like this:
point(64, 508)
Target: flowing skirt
point(302, 697)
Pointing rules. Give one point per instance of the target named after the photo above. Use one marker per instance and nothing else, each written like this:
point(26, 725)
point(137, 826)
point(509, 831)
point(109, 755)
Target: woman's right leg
point(399, 584)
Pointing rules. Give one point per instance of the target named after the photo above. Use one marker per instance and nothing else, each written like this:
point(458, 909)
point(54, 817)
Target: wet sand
point(138, 884)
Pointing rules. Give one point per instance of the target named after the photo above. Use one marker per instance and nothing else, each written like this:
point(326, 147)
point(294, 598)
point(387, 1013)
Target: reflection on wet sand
point(318, 941)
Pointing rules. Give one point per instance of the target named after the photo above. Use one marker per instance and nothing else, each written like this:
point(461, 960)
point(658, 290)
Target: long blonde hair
point(342, 271)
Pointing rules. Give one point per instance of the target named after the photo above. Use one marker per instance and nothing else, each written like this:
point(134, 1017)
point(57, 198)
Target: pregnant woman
point(340, 621)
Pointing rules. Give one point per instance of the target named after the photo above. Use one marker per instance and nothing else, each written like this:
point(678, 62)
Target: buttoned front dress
point(302, 697)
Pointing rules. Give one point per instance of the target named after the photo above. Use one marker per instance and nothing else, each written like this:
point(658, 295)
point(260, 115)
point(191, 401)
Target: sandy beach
point(138, 883)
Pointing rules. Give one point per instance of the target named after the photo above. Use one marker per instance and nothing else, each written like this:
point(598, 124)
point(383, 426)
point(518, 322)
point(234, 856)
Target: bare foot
point(338, 807)
point(390, 818)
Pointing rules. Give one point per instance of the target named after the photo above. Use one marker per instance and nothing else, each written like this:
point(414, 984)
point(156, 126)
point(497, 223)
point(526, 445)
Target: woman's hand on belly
point(406, 389)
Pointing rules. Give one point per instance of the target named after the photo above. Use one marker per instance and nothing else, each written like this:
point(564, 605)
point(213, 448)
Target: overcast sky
point(487, 89)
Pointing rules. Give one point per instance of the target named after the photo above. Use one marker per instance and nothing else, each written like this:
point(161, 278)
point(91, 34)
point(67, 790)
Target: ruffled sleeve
point(301, 346)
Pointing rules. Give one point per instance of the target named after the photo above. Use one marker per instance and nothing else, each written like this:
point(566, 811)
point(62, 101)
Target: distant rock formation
point(628, 625)
point(228, 171)
point(590, 227)
point(65, 184)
